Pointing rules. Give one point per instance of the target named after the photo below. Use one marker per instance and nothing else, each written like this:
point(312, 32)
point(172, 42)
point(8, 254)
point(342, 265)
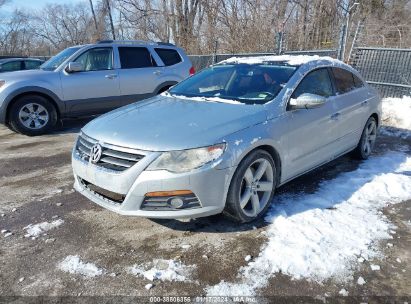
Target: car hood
point(25, 74)
point(168, 123)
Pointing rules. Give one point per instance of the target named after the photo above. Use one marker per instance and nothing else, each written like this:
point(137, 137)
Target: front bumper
point(210, 186)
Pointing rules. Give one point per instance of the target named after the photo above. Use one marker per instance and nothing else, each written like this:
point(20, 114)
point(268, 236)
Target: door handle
point(157, 72)
point(111, 76)
point(335, 116)
point(364, 103)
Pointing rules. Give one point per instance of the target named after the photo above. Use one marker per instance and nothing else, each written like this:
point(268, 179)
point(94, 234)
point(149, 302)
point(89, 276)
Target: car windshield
point(55, 61)
point(245, 83)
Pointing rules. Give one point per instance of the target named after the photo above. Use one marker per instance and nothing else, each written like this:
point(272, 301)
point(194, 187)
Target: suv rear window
point(169, 56)
point(344, 80)
point(135, 57)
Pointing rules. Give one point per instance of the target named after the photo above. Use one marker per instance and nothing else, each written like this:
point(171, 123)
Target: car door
point(95, 89)
point(311, 133)
point(351, 101)
point(138, 74)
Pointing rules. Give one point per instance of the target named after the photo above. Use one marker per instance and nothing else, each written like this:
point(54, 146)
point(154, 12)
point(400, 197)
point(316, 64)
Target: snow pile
point(396, 116)
point(73, 264)
point(163, 270)
point(290, 59)
point(35, 230)
point(204, 99)
point(321, 235)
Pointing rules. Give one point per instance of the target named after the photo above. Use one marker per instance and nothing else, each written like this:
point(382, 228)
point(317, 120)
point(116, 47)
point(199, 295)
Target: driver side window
point(96, 59)
point(316, 82)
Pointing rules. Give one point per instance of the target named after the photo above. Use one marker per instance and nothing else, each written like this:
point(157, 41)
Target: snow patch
point(206, 99)
point(375, 267)
point(73, 264)
point(290, 59)
point(343, 292)
point(163, 270)
point(361, 281)
point(320, 236)
point(34, 230)
point(255, 140)
point(396, 113)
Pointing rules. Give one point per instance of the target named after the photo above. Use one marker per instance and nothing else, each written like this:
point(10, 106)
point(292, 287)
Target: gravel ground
point(36, 186)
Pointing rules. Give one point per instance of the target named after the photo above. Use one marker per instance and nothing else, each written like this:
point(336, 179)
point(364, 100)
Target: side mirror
point(74, 67)
point(306, 101)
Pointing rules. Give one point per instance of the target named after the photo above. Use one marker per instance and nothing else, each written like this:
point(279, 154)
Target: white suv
point(88, 80)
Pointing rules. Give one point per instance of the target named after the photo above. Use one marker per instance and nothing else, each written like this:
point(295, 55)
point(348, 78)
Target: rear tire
point(367, 141)
point(252, 187)
point(32, 115)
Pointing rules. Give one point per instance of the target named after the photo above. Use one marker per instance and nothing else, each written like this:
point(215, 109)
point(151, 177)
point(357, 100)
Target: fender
point(61, 107)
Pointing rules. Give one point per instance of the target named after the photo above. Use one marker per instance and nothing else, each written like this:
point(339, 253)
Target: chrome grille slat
point(85, 143)
point(84, 149)
point(122, 155)
point(117, 160)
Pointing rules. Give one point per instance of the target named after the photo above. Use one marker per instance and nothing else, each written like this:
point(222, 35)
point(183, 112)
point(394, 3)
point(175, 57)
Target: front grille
point(164, 203)
point(111, 197)
point(111, 158)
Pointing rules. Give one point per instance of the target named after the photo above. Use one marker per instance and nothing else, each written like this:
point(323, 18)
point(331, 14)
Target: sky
point(11, 5)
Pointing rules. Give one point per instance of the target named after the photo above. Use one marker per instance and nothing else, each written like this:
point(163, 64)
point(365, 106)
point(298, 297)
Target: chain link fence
point(389, 70)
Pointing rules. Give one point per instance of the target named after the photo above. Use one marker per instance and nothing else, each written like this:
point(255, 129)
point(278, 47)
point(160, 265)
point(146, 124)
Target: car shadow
point(304, 185)
point(73, 125)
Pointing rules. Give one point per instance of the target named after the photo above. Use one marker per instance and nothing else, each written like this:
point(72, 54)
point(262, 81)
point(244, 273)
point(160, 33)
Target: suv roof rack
point(134, 42)
point(165, 43)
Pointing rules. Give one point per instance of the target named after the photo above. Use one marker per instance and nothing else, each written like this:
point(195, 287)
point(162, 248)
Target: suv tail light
point(192, 71)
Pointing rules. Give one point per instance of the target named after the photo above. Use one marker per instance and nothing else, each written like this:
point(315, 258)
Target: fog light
point(170, 200)
point(176, 202)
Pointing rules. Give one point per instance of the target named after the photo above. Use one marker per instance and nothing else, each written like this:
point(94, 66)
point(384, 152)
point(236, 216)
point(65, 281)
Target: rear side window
point(344, 80)
point(135, 57)
point(357, 81)
point(169, 56)
point(11, 66)
point(316, 82)
point(32, 64)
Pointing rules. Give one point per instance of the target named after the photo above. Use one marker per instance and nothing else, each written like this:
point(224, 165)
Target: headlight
point(187, 160)
point(2, 82)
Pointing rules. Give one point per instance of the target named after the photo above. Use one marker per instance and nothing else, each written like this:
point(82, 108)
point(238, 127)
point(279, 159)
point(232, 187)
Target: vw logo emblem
point(95, 153)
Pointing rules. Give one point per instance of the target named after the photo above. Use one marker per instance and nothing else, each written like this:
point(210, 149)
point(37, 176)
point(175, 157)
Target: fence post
point(279, 43)
point(215, 52)
point(341, 46)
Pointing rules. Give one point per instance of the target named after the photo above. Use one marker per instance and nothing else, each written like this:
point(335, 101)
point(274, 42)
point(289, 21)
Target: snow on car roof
point(289, 59)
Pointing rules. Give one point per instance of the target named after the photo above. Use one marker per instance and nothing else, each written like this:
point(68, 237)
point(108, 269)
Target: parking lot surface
point(86, 250)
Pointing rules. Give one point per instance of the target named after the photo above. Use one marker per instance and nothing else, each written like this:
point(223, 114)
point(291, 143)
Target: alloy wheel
point(33, 116)
point(369, 137)
point(256, 187)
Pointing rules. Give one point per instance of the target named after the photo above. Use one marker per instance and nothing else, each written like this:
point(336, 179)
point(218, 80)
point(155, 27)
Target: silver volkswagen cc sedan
point(224, 139)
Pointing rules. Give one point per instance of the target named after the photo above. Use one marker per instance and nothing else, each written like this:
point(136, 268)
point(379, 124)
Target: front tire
point(367, 141)
point(32, 115)
point(252, 187)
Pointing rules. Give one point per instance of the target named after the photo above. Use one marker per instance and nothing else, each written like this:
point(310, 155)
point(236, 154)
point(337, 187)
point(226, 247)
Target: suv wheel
point(367, 141)
point(252, 187)
point(32, 115)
